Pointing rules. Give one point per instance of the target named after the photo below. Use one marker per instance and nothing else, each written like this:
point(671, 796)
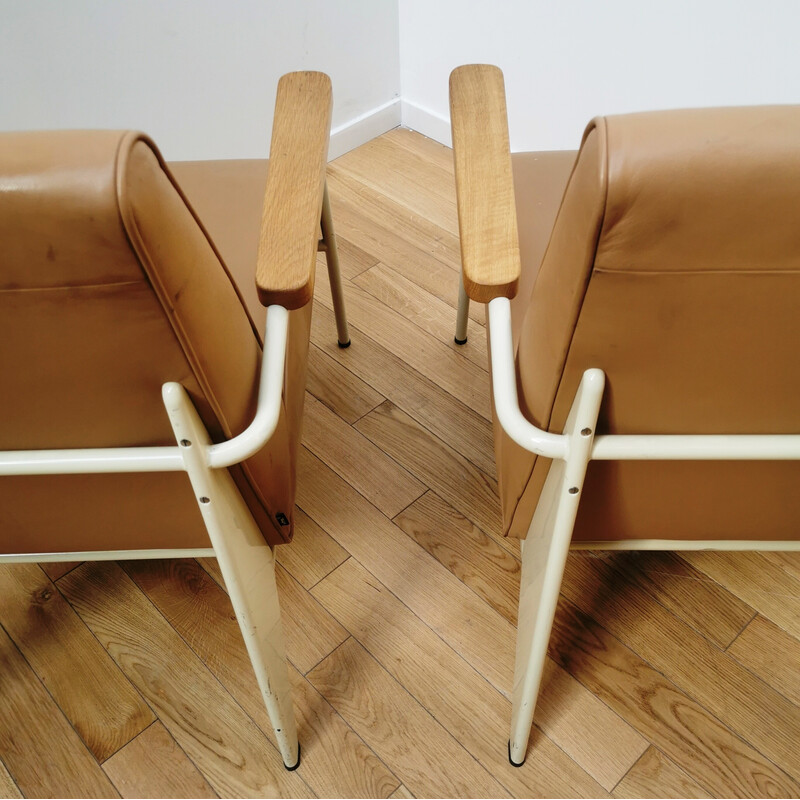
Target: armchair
point(130, 355)
point(642, 317)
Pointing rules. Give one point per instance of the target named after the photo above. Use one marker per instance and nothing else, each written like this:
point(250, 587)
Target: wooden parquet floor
point(668, 676)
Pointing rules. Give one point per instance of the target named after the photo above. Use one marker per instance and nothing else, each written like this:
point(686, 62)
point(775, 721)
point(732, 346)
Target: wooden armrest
point(290, 223)
point(487, 216)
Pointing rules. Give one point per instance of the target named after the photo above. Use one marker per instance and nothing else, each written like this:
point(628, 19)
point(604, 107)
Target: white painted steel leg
point(247, 565)
point(334, 272)
point(544, 557)
point(463, 313)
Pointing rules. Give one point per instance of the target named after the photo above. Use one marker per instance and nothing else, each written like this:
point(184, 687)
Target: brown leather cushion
point(673, 266)
point(109, 286)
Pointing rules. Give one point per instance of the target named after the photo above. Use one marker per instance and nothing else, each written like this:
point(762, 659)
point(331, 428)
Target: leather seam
point(12, 290)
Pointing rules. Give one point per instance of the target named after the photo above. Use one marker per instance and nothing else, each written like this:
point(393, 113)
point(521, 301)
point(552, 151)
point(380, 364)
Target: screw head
point(573, 490)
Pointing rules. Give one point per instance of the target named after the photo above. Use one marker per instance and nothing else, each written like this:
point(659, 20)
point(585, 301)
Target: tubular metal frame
point(549, 536)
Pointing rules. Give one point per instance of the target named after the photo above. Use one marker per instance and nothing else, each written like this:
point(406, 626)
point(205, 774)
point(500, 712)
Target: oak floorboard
point(405, 177)
point(309, 630)
point(752, 709)
point(401, 793)
point(352, 259)
point(8, 788)
point(463, 429)
point(229, 750)
point(376, 476)
point(402, 734)
point(692, 737)
point(759, 582)
point(335, 762)
point(603, 745)
point(419, 349)
point(438, 466)
point(438, 154)
point(40, 749)
point(55, 569)
point(312, 554)
point(169, 772)
point(772, 654)
point(423, 309)
point(338, 388)
point(446, 605)
point(88, 686)
point(654, 775)
point(473, 557)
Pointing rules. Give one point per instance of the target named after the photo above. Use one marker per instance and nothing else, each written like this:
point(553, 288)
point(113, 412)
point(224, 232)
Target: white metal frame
point(549, 535)
point(245, 559)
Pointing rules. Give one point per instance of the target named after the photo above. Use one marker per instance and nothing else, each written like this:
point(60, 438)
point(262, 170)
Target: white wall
point(197, 75)
point(566, 61)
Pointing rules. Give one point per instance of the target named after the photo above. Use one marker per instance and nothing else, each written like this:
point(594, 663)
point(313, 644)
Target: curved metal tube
point(270, 392)
point(504, 383)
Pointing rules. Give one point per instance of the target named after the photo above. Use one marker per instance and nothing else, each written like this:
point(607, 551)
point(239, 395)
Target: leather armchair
point(643, 319)
point(132, 355)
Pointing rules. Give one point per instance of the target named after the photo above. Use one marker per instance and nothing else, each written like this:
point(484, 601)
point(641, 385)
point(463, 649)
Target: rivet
point(586, 432)
point(185, 443)
point(208, 499)
point(573, 490)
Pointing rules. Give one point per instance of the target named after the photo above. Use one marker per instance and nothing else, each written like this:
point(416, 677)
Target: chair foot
point(343, 346)
point(292, 769)
point(511, 760)
point(460, 341)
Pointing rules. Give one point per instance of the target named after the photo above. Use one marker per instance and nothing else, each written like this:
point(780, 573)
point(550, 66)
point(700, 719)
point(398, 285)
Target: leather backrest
point(674, 265)
point(110, 286)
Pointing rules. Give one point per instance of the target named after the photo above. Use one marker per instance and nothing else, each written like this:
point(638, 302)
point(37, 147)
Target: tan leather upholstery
point(674, 266)
point(110, 286)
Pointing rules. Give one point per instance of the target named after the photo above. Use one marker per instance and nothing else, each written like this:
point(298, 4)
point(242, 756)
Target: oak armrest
point(487, 217)
point(290, 223)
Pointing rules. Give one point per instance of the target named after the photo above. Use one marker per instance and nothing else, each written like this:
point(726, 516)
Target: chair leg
point(463, 313)
point(544, 557)
point(247, 565)
point(334, 272)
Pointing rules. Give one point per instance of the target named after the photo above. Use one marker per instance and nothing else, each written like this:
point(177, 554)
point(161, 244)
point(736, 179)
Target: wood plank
point(772, 654)
point(487, 213)
point(654, 775)
point(309, 631)
point(453, 422)
point(405, 177)
point(10, 789)
point(376, 476)
point(88, 686)
point(759, 714)
point(338, 388)
point(760, 583)
point(438, 466)
point(473, 629)
point(232, 754)
point(287, 245)
point(410, 244)
point(352, 259)
point(476, 714)
point(709, 608)
point(472, 556)
point(312, 554)
point(40, 749)
point(420, 350)
point(401, 793)
point(55, 569)
point(438, 154)
point(789, 562)
point(682, 729)
point(335, 762)
point(169, 772)
point(398, 729)
point(423, 309)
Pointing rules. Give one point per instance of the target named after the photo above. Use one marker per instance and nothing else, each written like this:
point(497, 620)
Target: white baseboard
point(426, 122)
point(360, 130)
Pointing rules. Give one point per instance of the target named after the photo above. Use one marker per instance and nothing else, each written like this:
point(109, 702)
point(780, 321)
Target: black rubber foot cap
point(292, 769)
point(345, 345)
point(510, 760)
point(459, 341)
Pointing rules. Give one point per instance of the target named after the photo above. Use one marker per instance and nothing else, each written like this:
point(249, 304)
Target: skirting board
point(363, 128)
point(426, 122)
